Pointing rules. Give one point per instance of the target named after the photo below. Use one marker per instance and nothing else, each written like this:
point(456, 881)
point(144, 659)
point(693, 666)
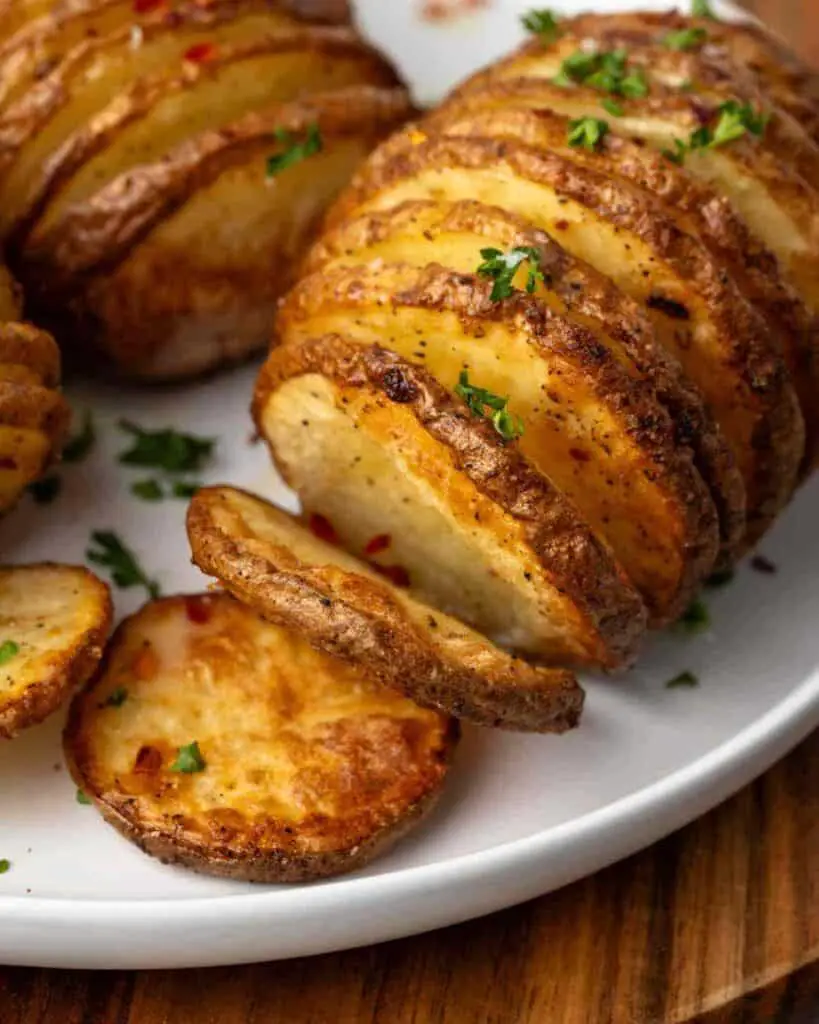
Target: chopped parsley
point(147, 490)
point(542, 23)
point(702, 9)
point(46, 490)
point(79, 446)
point(587, 132)
point(734, 121)
point(295, 151)
point(606, 71)
point(189, 760)
point(501, 267)
point(5, 865)
point(168, 450)
point(83, 799)
point(8, 650)
point(480, 400)
point(612, 107)
point(112, 554)
point(685, 39)
point(683, 680)
point(720, 578)
point(186, 490)
point(116, 698)
point(695, 618)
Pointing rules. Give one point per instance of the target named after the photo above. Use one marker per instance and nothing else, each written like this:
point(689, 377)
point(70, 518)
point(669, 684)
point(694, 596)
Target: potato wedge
point(699, 314)
point(54, 621)
point(127, 269)
point(421, 233)
point(304, 766)
point(294, 579)
point(472, 526)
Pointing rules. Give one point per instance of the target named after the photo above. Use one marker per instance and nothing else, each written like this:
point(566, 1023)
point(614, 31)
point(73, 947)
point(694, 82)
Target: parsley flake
point(5, 865)
point(696, 618)
point(168, 450)
point(612, 107)
point(587, 132)
point(606, 71)
point(147, 490)
point(79, 446)
point(684, 680)
point(542, 23)
point(83, 799)
point(733, 122)
point(8, 650)
point(189, 760)
point(702, 9)
point(501, 267)
point(116, 698)
point(685, 39)
point(112, 554)
point(181, 489)
point(295, 150)
point(479, 400)
point(45, 491)
point(720, 578)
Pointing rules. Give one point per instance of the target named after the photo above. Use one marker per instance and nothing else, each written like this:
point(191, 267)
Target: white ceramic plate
point(523, 815)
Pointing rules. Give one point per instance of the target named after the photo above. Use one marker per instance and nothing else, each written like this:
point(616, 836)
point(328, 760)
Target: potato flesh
point(438, 523)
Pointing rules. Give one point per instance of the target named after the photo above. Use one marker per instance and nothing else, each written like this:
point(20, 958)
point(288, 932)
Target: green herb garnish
point(501, 267)
point(81, 444)
point(695, 618)
point(684, 679)
point(702, 9)
point(685, 39)
point(186, 490)
point(295, 150)
point(480, 400)
point(168, 450)
point(189, 760)
point(734, 121)
point(587, 132)
point(720, 578)
point(612, 107)
point(607, 71)
point(46, 490)
point(83, 799)
point(147, 490)
point(116, 698)
point(5, 865)
point(542, 23)
point(8, 650)
point(111, 553)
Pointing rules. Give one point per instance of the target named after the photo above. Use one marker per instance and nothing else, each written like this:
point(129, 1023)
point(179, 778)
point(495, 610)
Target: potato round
point(54, 621)
point(304, 766)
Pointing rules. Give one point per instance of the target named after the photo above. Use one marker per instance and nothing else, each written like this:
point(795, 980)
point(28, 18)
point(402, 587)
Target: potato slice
point(421, 233)
point(272, 562)
point(172, 306)
point(699, 314)
point(304, 766)
point(54, 621)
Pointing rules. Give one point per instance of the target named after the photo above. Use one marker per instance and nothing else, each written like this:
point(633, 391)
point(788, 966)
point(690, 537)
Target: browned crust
point(296, 857)
point(25, 345)
point(100, 233)
point(592, 295)
point(34, 408)
point(768, 397)
point(72, 670)
point(92, 137)
point(355, 617)
point(577, 564)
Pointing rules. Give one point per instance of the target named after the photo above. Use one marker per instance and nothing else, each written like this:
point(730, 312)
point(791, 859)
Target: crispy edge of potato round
point(298, 852)
point(23, 344)
point(71, 667)
point(343, 609)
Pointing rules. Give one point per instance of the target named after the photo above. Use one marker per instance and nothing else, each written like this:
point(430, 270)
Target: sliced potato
point(476, 530)
point(421, 233)
point(699, 314)
point(297, 581)
point(304, 766)
point(54, 621)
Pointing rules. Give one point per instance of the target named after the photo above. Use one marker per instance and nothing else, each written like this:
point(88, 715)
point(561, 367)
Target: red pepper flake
point(200, 53)
point(561, 225)
point(396, 574)
point(579, 455)
point(378, 544)
point(148, 760)
point(148, 6)
point(198, 609)
point(764, 565)
point(322, 528)
point(8, 463)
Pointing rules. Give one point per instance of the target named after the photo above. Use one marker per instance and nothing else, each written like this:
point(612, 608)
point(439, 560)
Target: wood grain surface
point(717, 924)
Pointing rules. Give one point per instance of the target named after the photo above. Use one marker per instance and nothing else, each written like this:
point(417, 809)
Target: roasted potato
point(54, 621)
point(303, 583)
point(189, 121)
point(213, 739)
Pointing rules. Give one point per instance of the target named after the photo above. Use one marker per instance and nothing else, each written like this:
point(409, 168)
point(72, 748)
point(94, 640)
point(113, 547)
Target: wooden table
point(718, 923)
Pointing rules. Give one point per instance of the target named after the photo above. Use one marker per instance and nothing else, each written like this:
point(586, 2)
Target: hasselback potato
point(164, 162)
point(602, 252)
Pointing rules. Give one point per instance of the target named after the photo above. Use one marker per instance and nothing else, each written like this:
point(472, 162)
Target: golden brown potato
point(303, 583)
point(54, 621)
point(216, 740)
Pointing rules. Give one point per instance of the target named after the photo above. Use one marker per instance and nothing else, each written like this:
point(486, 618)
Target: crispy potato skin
point(268, 560)
point(333, 768)
point(61, 617)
